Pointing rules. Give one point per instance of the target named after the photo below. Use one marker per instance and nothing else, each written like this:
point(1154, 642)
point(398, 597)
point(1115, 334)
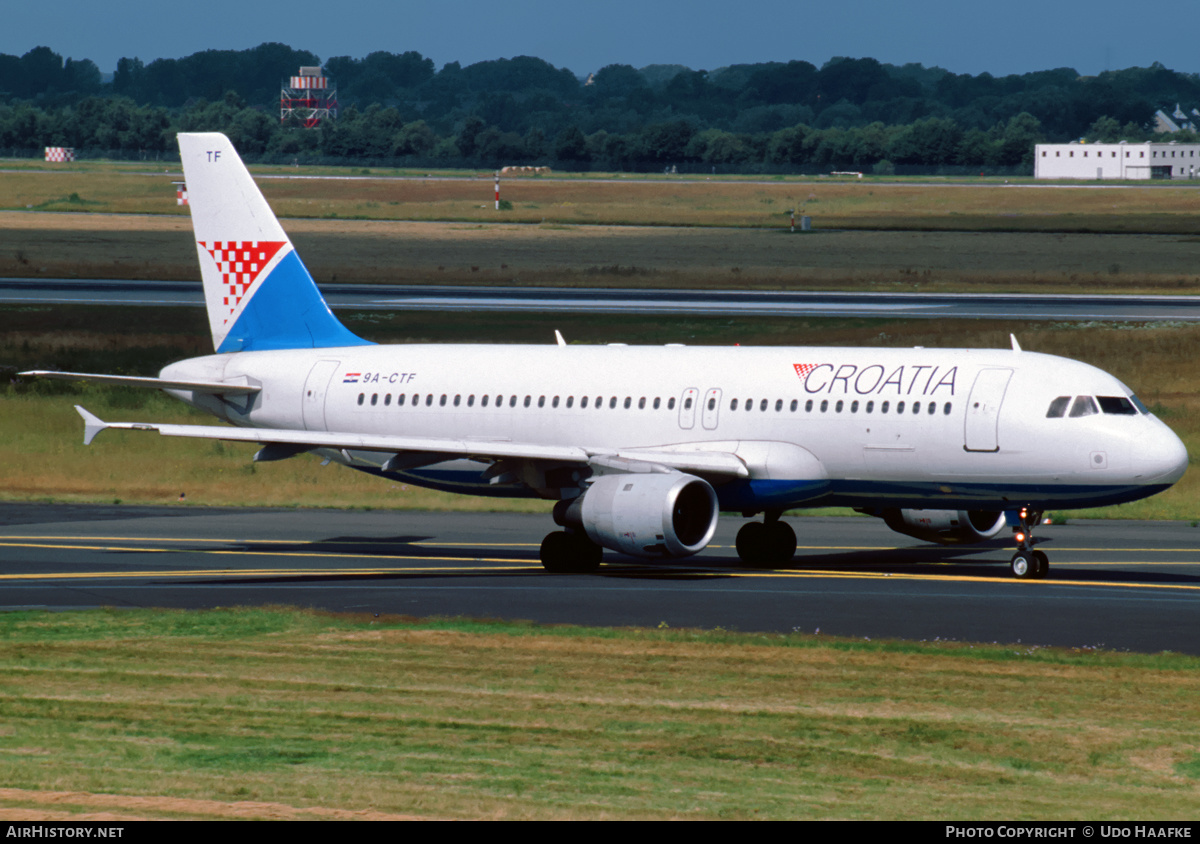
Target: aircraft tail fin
point(258, 292)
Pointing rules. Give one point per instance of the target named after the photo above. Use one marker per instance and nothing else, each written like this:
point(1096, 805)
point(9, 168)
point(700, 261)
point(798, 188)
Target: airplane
point(640, 448)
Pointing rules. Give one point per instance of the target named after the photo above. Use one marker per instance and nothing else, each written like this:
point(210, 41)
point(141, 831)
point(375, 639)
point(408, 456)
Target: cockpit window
point(1118, 405)
point(1058, 407)
point(1084, 406)
point(1138, 404)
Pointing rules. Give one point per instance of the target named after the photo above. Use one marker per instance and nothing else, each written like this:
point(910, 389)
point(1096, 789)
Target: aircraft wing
point(714, 463)
point(214, 387)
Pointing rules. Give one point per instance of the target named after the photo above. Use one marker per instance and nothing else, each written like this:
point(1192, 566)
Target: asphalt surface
point(598, 300)
point(1118, 585)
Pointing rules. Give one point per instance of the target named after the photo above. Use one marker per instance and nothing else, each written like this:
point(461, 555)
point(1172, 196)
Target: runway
point(603, 300)
point(1117, 585)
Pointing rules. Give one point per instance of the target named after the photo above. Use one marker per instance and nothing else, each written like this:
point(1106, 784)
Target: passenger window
point(778, 405)
point(733, 404)
point(762, 405)
point(808, 406)
point(870, 406)
point(946, 409)
point(374, 399)
point(361, 396)
point(483, 401)
point(628, 402)
point(795, 404)
point(400, 400)
point(883, 408)
point(854, 407)
point(429, 400)
point(512, 400)
point(838, 407)
point(932, 408)
point(671, 403)
point(1083, 406)
point(457, 399)
point(612, 403)
point(442, 401)
point(528, 400)
point(642, 403)
point(656, 402)
point(1118, 405)
point(1058, 407)
point(570, 401)
point(824, 405)
point(471, 400)
point(899, 407)
point(712, 403)
point(541, 401)
point(387, 400)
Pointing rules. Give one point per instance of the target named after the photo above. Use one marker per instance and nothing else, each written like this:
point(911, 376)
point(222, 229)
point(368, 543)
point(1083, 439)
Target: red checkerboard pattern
point(240, 263)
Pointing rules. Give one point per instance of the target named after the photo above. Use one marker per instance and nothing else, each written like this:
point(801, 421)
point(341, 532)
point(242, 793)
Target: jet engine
point(653, 514)
point(947, 527)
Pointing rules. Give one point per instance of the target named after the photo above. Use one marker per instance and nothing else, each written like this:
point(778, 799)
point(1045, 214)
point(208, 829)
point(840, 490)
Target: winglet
point(92, 424)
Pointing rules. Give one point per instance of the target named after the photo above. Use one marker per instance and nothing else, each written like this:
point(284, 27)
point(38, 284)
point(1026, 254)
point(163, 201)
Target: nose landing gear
point(1027, 563)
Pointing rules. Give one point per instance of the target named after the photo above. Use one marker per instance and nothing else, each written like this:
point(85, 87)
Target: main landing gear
point(1028, 564)
point(771, 542)
point(570, 552)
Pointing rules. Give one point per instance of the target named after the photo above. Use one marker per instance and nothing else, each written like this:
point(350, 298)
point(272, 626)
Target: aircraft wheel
point(781, 542)
point(1024, 565)
point(570, 553)
point(751, 543)
point(1043, 564)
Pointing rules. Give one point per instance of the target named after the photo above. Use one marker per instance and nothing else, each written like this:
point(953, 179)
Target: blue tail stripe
point(288, 312)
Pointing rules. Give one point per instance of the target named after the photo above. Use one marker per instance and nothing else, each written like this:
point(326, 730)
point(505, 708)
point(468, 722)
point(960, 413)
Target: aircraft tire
point(751, 541)
point(570, 553)
point(1042, 562)
point(767, 545)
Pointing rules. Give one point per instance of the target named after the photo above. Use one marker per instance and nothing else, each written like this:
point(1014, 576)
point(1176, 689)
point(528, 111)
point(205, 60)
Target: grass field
point(144, 247)
point(293, 715)
point(939, 205)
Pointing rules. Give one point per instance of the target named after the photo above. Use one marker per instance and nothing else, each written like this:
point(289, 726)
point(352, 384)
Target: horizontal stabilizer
point(213, 387)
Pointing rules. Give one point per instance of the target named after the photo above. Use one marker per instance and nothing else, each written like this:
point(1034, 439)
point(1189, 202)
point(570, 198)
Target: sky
point(1013, 36)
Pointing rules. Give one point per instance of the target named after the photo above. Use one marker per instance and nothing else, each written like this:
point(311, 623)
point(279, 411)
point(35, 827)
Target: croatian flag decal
point(351, 378)
point(240, 264)
point(802, 369)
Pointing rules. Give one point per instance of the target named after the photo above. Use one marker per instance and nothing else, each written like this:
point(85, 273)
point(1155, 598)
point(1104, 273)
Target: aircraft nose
point(1161, 458)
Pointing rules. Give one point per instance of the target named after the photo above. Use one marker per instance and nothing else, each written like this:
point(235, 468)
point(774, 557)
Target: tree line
point(399, 108)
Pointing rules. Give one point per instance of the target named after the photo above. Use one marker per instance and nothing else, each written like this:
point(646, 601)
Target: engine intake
point(650, 514)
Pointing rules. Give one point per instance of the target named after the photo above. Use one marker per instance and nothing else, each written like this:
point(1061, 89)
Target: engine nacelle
point(652, 514)
point(947, 527)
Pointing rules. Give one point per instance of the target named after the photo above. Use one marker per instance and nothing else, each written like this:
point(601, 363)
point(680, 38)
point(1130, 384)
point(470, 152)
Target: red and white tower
point(311, 97)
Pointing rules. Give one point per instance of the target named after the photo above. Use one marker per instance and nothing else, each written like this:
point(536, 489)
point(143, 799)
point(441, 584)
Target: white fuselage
point(824, 425)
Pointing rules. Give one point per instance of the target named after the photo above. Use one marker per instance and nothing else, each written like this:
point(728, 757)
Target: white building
point(1078, 160)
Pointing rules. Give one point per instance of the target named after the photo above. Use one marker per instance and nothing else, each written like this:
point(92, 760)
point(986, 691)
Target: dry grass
point(277, 714)
point(977, 205)
point(142, 247)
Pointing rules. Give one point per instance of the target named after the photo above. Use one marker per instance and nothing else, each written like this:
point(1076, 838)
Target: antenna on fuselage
point(558, 338)
point(1016, 345)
